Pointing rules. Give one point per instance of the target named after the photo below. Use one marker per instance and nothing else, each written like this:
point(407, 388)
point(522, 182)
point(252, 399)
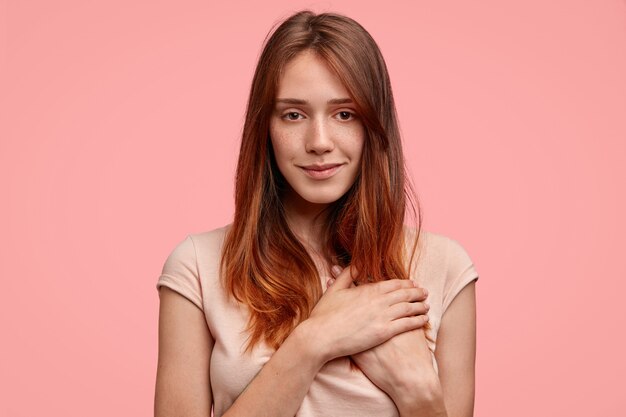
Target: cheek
point(358, 148)
point(282, 150)
point(283, 143)
point(355, 143)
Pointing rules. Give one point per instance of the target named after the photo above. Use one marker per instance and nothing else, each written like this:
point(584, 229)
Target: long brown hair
point(263, 264)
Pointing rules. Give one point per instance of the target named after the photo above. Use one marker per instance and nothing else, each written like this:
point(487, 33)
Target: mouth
point(321, 172)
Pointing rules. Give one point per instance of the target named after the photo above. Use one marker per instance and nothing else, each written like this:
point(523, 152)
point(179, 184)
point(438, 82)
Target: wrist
point(308, 341)
point(421, 396)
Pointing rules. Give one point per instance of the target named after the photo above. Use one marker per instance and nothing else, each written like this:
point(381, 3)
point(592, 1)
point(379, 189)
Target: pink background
point(120, 123)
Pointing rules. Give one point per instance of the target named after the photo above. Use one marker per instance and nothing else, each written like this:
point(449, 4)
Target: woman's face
point(316, 135)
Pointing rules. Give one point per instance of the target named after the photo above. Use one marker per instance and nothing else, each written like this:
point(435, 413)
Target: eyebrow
point(300, 101)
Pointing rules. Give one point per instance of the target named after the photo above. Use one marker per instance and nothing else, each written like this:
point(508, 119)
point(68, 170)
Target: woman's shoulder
point(436, 250)
point(427, 240)
point(210, 238)
point(443, 264)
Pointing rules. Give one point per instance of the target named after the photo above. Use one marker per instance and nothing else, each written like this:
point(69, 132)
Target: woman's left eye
point(345, 115)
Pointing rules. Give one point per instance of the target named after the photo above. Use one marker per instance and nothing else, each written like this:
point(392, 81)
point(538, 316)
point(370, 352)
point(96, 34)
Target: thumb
point(343, 279)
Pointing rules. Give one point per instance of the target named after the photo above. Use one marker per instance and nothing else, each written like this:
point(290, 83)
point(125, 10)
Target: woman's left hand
point(401, 366)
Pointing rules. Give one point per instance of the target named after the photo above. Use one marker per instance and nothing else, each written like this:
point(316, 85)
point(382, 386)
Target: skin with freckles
point(308, 131)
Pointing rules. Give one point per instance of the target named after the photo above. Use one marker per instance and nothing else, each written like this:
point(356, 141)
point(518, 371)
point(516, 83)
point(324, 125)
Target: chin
point(321, 196)
point(322, 200)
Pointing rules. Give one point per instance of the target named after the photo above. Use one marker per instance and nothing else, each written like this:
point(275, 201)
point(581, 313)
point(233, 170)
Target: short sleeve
point(460, 272)
point(180, 272)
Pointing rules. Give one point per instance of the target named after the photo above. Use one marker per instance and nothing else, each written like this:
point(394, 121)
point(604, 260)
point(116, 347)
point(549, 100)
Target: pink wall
point(119, 132)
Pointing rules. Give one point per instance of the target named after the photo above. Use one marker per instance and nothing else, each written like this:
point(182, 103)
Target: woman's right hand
point(349, 319)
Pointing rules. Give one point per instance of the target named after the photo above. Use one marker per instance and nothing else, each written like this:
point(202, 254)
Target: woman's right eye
point(289, 115)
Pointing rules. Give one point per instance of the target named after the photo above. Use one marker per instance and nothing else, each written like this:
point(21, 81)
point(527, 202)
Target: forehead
point(307, 76)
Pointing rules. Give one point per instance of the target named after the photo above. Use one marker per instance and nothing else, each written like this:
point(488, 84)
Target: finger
point(336, 270)
point(405, 294)
point(424, 290)
point(405, 324)
point(344, 279)
point(331, 281)
point(393, 284)
point(404, 309)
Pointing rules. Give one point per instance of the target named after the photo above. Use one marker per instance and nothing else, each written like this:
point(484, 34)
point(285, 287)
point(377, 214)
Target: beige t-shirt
point(191, 269)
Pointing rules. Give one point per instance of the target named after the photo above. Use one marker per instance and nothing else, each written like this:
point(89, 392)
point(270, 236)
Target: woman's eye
point(293, 115)
point(345, 115)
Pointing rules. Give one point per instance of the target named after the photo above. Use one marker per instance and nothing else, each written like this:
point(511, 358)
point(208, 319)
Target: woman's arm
point(402, 367)
point(279, 388)
point(418, 391)
point(340, 324)
point(183, 387)
point(451, 393)
point(456, 353)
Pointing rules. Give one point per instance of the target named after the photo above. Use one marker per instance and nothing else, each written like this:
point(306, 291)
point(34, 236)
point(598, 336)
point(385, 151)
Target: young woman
point(307, 304)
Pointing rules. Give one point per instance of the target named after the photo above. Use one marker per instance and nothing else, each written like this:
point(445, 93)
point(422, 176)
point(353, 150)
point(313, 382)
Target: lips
point(321, 172)
point(316, 167)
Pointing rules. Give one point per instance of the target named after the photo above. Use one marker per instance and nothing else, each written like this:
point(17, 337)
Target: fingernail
point(426, 305)
point(336, 270)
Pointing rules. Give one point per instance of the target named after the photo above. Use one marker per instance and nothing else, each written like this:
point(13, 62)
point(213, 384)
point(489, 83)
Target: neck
point(305, 219)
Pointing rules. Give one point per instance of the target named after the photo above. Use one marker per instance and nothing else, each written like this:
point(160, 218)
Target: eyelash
point(285, 116)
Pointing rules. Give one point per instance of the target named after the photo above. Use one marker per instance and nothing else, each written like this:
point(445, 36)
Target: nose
point(319, 138)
